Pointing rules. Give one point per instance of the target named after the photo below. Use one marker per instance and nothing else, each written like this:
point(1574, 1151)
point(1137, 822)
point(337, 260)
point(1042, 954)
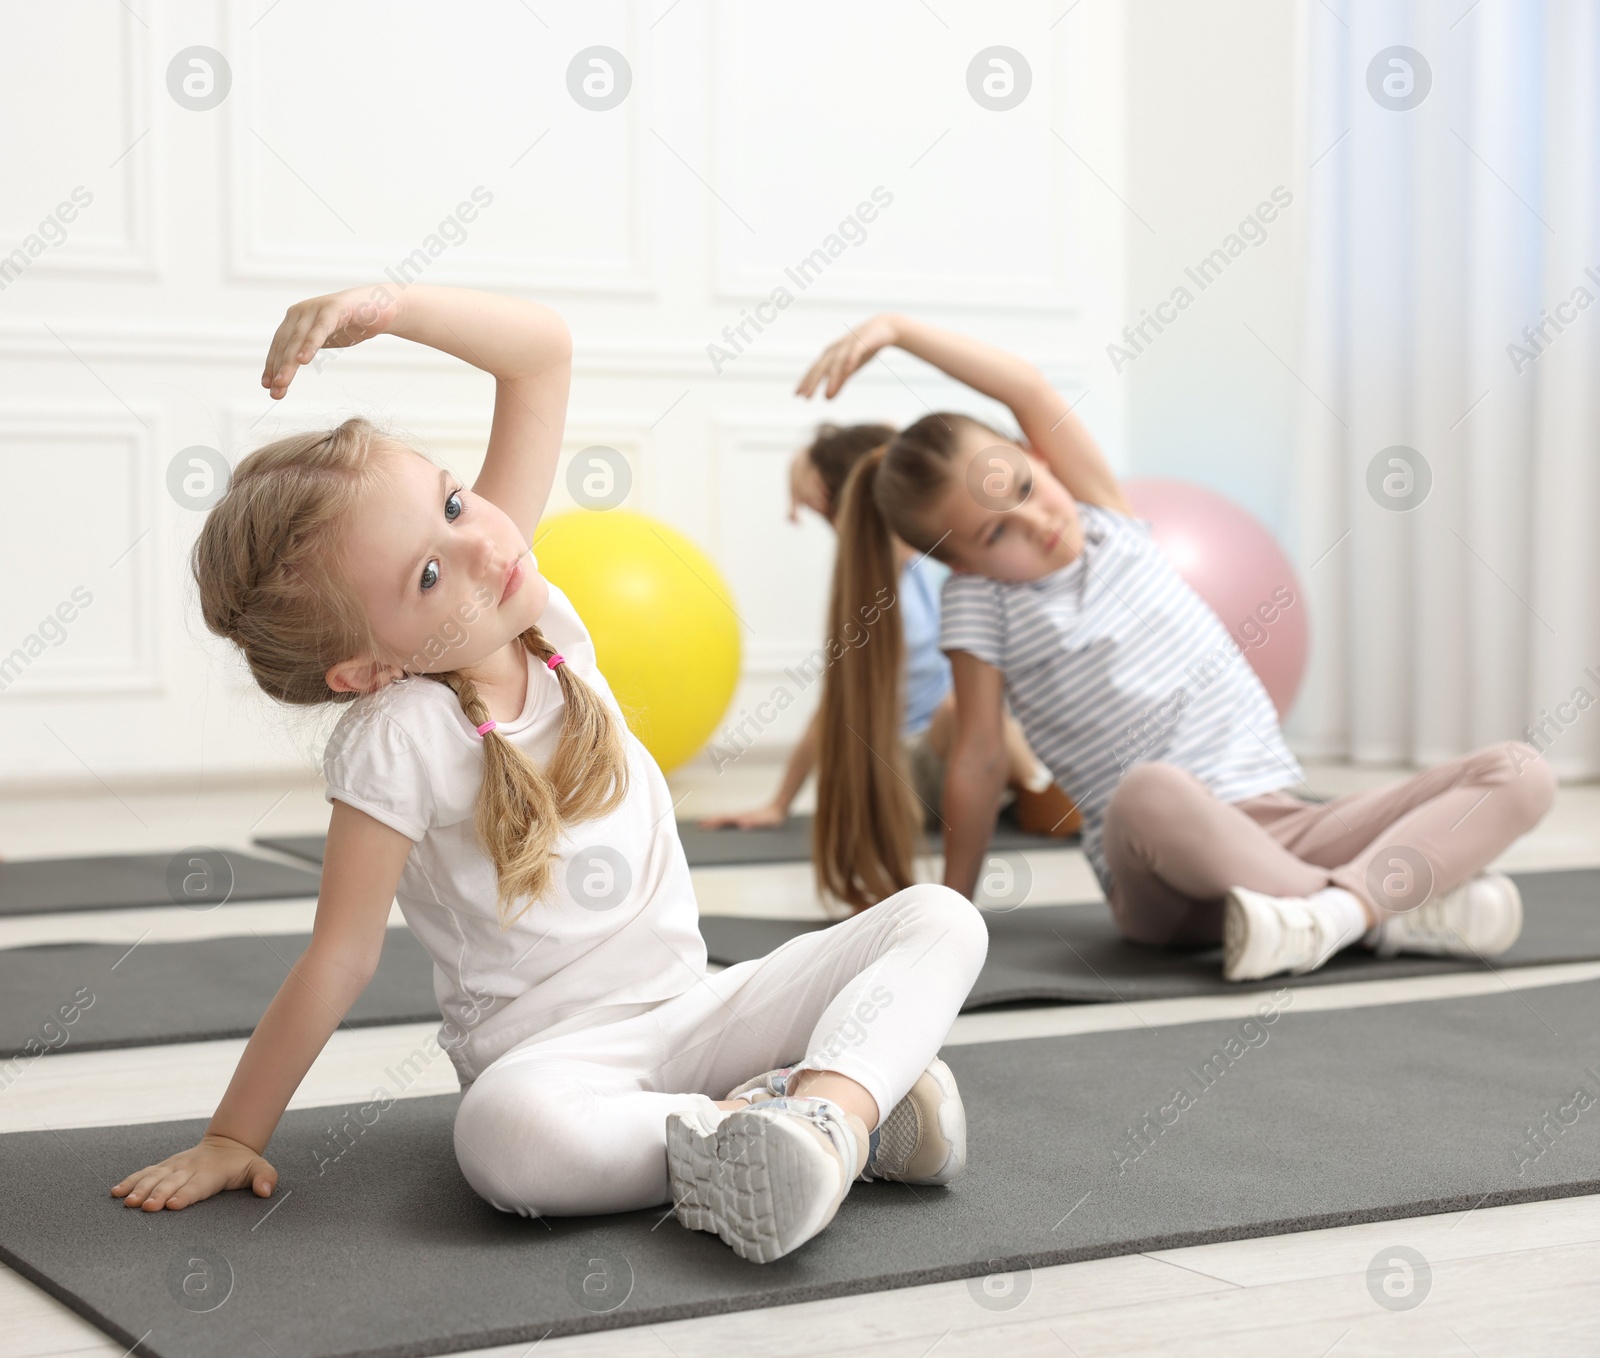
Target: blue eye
point(430, 572)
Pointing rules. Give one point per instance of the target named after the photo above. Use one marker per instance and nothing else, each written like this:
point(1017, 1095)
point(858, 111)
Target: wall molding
point(1049, 293)
point(48, 678)
point(136, 255)
point(249, 259)
point(629, 434)
point(607, 358)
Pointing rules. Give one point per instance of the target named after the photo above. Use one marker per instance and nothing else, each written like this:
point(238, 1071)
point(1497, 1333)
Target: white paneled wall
point(134, 321)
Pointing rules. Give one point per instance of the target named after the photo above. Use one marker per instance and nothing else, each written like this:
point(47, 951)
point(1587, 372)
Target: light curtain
point(1447, 448)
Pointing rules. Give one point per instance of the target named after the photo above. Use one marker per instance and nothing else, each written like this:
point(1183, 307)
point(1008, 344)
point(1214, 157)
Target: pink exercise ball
point(1230, 560)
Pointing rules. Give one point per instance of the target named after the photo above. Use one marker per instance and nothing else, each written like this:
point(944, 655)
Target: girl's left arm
point(1052, 430)
point(524, 346)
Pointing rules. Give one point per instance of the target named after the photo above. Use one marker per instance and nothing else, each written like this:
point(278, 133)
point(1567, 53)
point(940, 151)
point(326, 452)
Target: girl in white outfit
point(482, 773)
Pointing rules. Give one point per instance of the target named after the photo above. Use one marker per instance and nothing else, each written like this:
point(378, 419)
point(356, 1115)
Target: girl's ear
point(360, 676)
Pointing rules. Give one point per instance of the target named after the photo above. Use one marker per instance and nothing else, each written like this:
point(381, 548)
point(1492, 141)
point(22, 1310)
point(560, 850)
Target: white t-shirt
point(1113, 660)
point(619, 927)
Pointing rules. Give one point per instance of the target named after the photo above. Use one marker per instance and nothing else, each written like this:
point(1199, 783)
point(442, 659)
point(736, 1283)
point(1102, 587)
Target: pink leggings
point(1175, 851)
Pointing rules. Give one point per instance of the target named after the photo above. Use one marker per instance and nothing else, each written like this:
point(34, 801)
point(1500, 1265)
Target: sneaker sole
point(952, 1124)
point(763, 1184)
point(1237, 963)
point(1511, 929)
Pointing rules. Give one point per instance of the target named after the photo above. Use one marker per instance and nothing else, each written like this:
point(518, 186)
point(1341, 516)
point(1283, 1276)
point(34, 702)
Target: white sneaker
point(1481, 918)
point(1263, 935)
point(767, 1178)
point(922, 1141)
point(924, 1138)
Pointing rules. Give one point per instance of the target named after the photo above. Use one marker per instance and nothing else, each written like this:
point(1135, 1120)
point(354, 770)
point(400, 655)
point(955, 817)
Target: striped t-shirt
point(1113, 660)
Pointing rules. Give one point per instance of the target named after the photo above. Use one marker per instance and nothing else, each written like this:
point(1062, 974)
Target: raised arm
point(361, 868)
point(528, 350)
point(975, 774)
point(524, 346)
point(1048, 424)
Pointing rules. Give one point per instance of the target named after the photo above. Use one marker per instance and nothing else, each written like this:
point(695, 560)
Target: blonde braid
point(522, 809)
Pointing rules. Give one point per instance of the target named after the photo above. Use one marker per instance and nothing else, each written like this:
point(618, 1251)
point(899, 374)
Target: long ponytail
point(868, 818)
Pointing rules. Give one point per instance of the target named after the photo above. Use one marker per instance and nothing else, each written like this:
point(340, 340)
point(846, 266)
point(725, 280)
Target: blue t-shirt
point(927, 667)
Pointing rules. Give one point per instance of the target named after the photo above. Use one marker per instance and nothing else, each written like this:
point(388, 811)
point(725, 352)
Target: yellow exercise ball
point(663, 622)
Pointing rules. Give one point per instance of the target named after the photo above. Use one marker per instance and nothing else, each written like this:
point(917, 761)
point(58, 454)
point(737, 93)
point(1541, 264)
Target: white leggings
point(576, 1124)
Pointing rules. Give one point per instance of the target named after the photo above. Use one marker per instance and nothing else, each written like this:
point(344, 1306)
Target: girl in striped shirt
point(1132, 692)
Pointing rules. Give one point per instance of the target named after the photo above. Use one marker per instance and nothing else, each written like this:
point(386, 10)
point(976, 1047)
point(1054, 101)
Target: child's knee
point(1520, 779)
point(1527, 782)
point(946, 918)
point(519, 1141)
point(1151, 792)
point(968, 931)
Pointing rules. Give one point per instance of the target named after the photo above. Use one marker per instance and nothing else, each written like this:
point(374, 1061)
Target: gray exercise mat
point(1074, 953)
point(786, 843)
point(93, 996)
point(200, 878)
point(209, 989)
point(1081, 1147)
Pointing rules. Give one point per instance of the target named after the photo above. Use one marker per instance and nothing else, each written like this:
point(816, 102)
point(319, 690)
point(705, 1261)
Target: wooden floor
point(1521, 1280)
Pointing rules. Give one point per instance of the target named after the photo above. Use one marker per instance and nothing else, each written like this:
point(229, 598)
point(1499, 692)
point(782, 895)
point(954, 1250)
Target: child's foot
point(1263, 935)
point(922, 1141)
point(1481, 918)
point(766, 1178)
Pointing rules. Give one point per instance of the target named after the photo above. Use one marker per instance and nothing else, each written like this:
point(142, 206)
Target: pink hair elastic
point(552, 663)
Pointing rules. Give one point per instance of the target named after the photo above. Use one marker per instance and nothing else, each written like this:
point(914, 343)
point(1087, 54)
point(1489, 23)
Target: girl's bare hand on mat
point(218, 1162)
point(333, 321)
point(758, 819)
